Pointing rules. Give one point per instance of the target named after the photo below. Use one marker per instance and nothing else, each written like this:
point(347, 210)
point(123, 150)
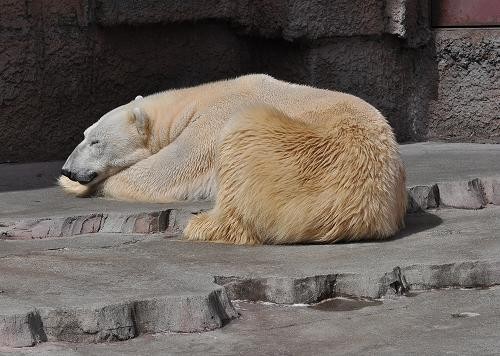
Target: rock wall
point(64, 63)
point(467, 106)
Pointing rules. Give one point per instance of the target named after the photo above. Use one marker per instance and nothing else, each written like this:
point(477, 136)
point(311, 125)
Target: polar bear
point(285, 163)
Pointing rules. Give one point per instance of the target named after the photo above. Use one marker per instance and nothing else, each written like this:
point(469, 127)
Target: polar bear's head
point(116, 141)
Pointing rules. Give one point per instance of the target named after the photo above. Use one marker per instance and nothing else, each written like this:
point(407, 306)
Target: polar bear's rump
point(282, 180)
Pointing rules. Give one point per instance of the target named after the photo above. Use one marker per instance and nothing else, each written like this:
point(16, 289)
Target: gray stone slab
point(463, 194)
point(86, 297)
point(422, 197)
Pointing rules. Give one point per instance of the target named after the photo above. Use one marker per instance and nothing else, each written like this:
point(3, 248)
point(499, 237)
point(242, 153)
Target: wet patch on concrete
point(345, 304)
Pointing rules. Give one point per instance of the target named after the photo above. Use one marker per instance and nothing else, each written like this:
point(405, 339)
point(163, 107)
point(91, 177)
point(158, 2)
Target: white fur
point(287, 163)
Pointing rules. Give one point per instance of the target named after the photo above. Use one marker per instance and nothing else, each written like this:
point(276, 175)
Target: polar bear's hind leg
point(210, 227)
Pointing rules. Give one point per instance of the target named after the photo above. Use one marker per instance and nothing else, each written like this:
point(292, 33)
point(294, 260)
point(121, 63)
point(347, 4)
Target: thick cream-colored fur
point(284, 181)
point(286, 163)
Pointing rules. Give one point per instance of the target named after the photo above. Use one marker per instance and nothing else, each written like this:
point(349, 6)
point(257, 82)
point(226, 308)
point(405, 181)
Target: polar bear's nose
point(80, 177)
point(66, 173)
point(85, 178)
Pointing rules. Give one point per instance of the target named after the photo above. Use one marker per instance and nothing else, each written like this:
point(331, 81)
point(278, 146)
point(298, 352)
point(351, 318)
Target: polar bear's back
point(303, 102)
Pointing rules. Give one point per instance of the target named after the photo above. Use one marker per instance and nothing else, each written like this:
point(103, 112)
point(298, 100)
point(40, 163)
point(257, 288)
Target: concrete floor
point(118, 280)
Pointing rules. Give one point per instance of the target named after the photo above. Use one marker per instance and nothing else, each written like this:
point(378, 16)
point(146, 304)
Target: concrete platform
point(92, 271)
point(433, 162)
point(452, 321)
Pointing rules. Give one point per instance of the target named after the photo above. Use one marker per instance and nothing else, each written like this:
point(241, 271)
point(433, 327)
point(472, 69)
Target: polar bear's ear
point(139, 97)
point(141, 120)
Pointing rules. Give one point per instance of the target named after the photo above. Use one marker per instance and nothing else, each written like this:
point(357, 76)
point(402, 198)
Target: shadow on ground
point(414, 223)
point(418, 222)
point(17, 177)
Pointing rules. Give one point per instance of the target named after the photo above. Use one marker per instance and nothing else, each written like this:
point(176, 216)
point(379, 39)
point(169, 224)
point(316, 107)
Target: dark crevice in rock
point(36, 328)
point(399, 285)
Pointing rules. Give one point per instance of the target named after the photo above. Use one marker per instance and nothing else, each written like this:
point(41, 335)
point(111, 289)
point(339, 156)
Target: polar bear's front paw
point(73, 188)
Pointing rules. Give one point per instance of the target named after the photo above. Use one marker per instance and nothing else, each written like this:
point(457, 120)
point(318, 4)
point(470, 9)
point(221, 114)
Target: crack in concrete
point(76, 248)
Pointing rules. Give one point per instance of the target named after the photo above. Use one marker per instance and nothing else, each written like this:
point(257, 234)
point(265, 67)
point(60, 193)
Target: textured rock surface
point(465, 195)
point(68, 62)
point(142, 223)
point(492, 190)
point(280, 19)
point(49, 213)
point(422, 197)
point(467, 107)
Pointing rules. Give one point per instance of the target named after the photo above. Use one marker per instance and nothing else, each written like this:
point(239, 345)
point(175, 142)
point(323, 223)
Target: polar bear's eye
point(94, 142)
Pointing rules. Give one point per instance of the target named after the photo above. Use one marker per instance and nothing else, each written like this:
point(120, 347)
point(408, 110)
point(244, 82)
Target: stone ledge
point(475, 193)
point(117, 321)
point(462, 195)
point(169, 220)
point(400, 281)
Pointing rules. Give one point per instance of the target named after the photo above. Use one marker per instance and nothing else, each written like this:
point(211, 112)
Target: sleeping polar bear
point(285, 163)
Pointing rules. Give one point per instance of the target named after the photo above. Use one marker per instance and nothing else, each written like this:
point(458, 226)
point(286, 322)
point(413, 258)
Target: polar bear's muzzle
point(80, 177)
